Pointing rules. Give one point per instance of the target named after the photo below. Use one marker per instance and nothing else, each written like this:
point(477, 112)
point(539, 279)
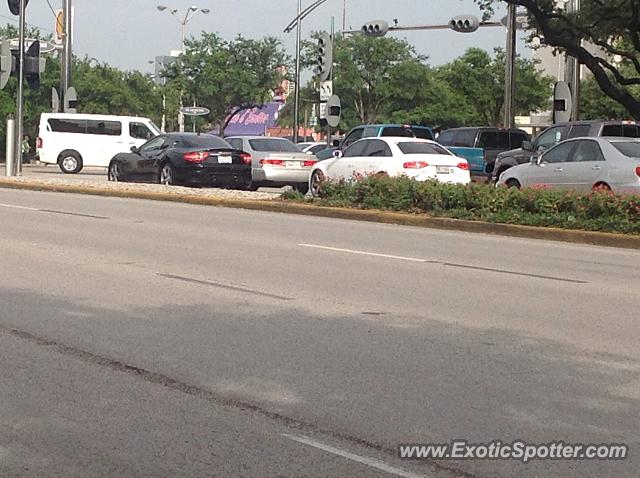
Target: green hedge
point(601, 211)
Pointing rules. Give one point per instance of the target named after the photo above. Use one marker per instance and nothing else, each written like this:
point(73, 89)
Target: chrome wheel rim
point(69, 163)
point(316, 183)
point(165, 176)
point(114, 173)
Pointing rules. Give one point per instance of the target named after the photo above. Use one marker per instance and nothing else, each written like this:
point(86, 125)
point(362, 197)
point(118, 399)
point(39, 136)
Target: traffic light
point(6, 63)
point(14, 6)
point(377, 28)
point(33, 65)
point(465, 23)
point(324, 61)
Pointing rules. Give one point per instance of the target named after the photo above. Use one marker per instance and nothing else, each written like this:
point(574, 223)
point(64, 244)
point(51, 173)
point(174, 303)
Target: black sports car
point(183, 158)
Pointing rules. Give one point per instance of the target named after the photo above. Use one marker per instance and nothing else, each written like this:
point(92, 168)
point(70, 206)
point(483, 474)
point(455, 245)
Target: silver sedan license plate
point(443, 169)
point(293, 164)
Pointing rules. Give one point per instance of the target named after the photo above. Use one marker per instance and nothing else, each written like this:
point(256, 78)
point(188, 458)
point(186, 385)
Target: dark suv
point(480, 146)
point(376, 131)
point(559, 132)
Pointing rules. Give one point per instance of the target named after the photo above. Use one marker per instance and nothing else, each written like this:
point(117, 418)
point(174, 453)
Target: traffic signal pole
point(510, 75)
point(67, 53)
point(17, 166)
point(296, 99)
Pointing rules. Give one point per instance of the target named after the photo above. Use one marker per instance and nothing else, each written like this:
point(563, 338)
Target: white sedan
point(420, 159)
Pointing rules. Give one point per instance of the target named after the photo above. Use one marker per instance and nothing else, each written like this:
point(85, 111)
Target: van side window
point(140, 131)
point(466, 138)
point(66, 125)
point(104, 128)
point(446, 138)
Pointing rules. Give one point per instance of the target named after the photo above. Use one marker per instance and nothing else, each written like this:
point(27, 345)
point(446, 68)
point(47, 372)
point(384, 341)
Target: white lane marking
point(364, 253)
point(370, 462)
point(13, 206)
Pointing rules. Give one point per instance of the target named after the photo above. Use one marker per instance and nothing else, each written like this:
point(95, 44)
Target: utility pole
point(296, 98)
point(572, 72)
point(344, 16)
point(20, 100)
point(510, 74)
point(67, 53)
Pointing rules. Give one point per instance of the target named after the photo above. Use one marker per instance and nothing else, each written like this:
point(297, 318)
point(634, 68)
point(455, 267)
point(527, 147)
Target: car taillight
point(309, 163)
point(638, 171)
point(415, 165)
point(195, 156)
point(272, 162)
point(39, 143)
point(246, 158)
point(463, 165)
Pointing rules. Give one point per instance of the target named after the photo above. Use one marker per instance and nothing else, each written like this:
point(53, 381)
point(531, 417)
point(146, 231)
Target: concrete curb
point(405, 219)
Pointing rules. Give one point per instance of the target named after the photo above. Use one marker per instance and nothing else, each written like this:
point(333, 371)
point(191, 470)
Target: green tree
point(612, 25)
point(228, 76)
point(481, 80)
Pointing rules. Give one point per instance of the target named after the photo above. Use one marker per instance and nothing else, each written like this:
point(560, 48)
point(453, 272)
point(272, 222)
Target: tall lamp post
point(296, 24)
point(191, 12)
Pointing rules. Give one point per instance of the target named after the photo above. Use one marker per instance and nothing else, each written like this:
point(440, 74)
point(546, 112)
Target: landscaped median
point(598, 218)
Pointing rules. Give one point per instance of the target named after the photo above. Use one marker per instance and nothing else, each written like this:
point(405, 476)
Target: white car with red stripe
point(416, 158)
point(275, 162)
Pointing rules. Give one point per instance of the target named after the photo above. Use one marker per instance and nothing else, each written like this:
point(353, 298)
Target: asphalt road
point(140, 338)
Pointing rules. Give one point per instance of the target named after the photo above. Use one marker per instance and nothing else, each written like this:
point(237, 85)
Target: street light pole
point(17, 164)
point(296, 101)
point(510, 75)
point(183, 35)
point(297, 24)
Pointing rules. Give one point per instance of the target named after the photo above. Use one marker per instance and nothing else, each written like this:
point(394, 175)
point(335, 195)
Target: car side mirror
point(337, 154)
point(135, 149)
point(534, 159)
point(336, 143)
point(527, 145)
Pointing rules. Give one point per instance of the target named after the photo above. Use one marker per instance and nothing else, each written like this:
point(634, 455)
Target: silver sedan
point(582, 164)
point(275, 162)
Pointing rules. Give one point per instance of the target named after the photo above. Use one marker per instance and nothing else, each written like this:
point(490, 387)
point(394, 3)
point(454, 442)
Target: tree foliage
point(481, 80)
point(612, 25)
point(228, 76)
point(385, 80)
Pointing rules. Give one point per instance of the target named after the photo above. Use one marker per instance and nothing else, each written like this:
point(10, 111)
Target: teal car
point(377, 131)
point(480, 146)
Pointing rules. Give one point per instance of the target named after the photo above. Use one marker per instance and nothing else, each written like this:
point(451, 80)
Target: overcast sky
point(129, 33)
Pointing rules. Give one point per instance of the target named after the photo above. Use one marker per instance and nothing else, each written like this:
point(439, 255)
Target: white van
point(74, 141)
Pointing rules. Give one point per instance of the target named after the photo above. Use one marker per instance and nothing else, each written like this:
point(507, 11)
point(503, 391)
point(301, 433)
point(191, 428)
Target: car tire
point(251, 186)
point(302, 188)
point(114, 173)
point(70, 162)
point(513, 183)
point(315, 183)
point(167, 175)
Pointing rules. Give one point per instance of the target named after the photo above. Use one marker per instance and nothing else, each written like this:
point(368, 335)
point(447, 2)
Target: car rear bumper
point(224, 175)
point(286, 176)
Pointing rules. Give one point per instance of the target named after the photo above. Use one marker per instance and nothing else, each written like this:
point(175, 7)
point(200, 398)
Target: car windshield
point(422, 133)
point(205, 141)
point(272, 145)
point(422, 148)
point(630, 149)
point(154, 127)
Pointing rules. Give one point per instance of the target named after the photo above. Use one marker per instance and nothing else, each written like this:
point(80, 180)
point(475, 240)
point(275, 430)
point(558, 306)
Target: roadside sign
point(59, 37)
point(45, 46)
point(333, 111)
point(326, 90)
point(562, 102)
point(194, 111)
point(522, 21)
